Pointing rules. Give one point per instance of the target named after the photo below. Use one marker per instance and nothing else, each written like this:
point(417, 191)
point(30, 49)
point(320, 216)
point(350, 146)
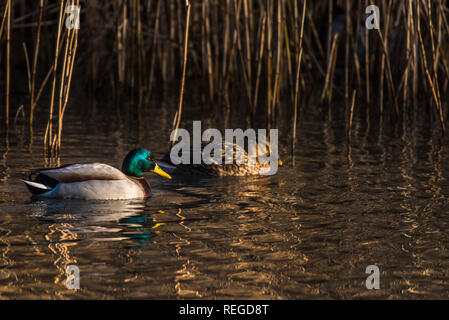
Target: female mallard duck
point(228, 165)
point(96, 180)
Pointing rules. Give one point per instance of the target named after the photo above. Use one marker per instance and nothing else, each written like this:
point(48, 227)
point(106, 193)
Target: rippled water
point(308, 232)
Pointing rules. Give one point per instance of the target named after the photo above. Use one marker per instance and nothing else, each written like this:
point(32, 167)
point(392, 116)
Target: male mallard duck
point(97, 180)
point(212, 168)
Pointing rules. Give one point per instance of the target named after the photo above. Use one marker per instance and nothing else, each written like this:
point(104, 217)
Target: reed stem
point(184, 67)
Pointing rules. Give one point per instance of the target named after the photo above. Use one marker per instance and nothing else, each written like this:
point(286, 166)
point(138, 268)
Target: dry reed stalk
point(44, 82)
point(246, 17)
point(443, 53)
point(231, 58)
point(132, 50)
point(68, 42)
point(439, 40)
point(431, 29)
point(328, 82)
point(49, 128)
point(179, 16)
point(349, 130)
point(121, 44)
point(351, 115)
point(332, 70)
point(415, 61)
point(184, 66)
point(216, 44)
point(315, 33)
point(269, 62)
point(298, 71)
point(278, 65)
point(367, 64)
point(162, 48)
point(347, 36)
point(289, 55)
point(225, 42)
point(259, 61)
point(389, 72)
point(382, 64)
point(329, 31)
point(62, 88)
point(5, 15)
point(71, 42)
point(172, 33)
point(154, 45)
point(435, 57)
point(209, 50)
point(357, 69)
point(246, 72)
point(407, 52)
point(33, 75)
point(295, 23)
point(355, 44)
point(68, 78)
point(140, 53)
point(8, 61)
point(32, 71)
point(429, 77)
point(27, 60)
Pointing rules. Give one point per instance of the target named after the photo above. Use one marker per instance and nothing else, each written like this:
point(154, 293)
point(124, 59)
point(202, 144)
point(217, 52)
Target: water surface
point(309, 231)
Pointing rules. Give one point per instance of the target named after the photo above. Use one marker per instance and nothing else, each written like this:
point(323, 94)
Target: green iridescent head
point(140, 161)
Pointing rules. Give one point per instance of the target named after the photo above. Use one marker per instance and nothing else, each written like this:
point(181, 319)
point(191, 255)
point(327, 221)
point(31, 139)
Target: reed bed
point(273, 56)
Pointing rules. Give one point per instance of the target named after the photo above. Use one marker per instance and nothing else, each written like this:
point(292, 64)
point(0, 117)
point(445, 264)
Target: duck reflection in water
point(72, 223)
point(128, 219)
point(141, 228)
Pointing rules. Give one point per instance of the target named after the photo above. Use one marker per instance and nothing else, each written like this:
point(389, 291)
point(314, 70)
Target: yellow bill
point(161, 172)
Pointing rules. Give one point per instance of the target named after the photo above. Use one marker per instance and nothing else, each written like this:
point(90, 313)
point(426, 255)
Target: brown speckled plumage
point(220, 170)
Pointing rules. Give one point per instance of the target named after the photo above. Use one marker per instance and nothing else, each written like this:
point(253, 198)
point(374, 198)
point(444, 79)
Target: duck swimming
point(97, 181)
point(211, 168)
